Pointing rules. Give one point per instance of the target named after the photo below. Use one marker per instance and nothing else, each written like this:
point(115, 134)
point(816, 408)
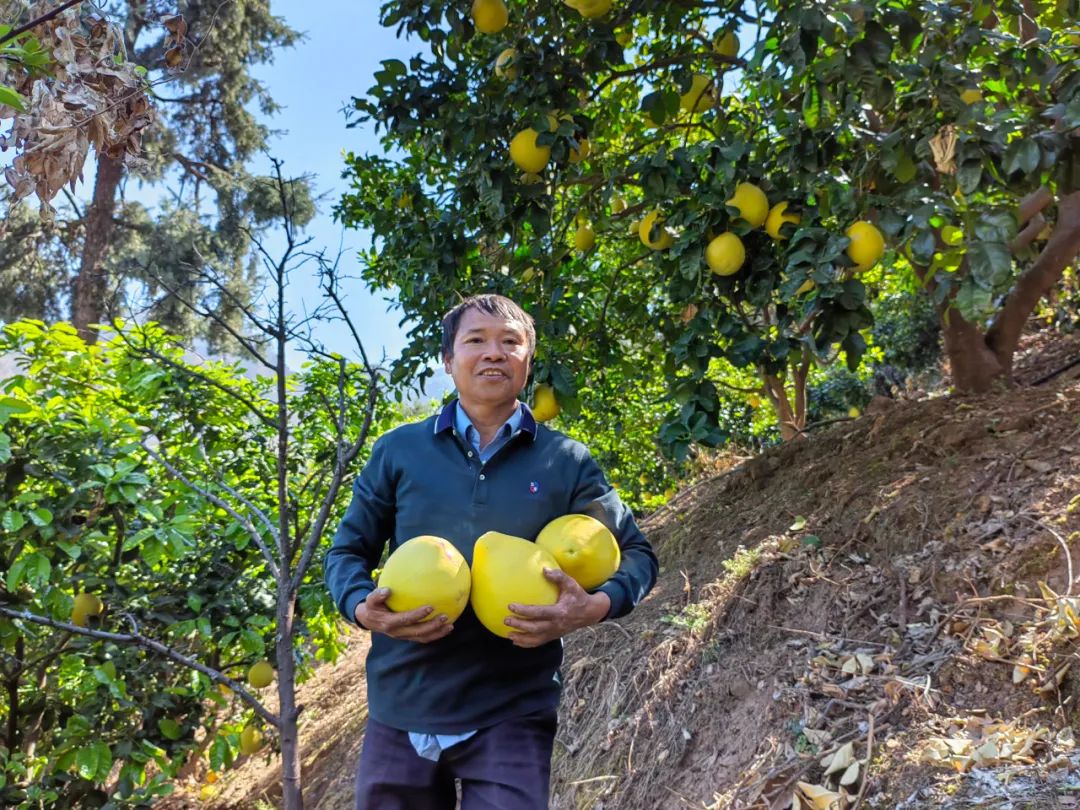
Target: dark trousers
point(503, 767)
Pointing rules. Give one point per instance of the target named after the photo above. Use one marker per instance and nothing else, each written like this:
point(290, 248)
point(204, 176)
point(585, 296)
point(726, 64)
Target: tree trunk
point(792, 421)
point(91, 286)
point(975, 368)
point(292, 796)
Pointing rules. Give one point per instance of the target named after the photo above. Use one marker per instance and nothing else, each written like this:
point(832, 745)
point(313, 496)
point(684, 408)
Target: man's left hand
point(538, 624)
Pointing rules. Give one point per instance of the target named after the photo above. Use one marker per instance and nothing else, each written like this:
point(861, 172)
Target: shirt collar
point(448, 417)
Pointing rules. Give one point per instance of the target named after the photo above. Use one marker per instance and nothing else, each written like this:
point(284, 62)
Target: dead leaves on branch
point(93, 97)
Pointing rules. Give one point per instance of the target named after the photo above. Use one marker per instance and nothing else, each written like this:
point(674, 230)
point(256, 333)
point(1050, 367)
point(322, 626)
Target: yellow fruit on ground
point(726, 44)
point(427, 570)
point(700, 96)
point(584, 238)
point(508, 569)
point(778, 217)
point(583, 547)
point(206, 793)
point(578, 155)
point(590, 9)
point(211, 777)
point(805, 287)
point(853, 412)
point(86, 605)
point(752, 203)
point(261, 674)
point(664, 240)
point(526, 154)
point(867, 245)
point(545, 407)
point(971, 95)
point(618, 204)
point(504, 65)
point(490, 16)
point(725, 254)
point(251, 740)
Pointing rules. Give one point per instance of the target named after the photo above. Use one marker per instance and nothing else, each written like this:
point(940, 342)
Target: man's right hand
point(373, 614)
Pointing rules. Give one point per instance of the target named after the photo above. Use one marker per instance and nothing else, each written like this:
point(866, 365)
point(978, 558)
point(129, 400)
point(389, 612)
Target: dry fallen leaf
point(817, 797)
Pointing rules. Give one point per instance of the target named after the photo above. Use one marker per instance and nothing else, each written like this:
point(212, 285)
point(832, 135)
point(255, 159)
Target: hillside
point(876, 584)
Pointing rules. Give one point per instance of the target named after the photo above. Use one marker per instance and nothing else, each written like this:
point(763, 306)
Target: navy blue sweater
point(423, 478)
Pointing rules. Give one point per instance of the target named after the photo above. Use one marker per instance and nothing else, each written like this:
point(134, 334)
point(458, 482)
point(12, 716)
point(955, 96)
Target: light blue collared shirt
point(431, 746)
point(468, 431)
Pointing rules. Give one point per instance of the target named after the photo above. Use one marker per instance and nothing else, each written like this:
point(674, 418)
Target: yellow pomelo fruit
point(754, 400)
point(663, 241)
point(867, 245)
point(508, 569)
point(726, 44)
point(778, 217)
point(206, 793)
point(86, 605)
point(590, 9)
point(525, 153)
point(700, 95)
point(805, 287)
point(504, 65)
point(583, 547)
point(251, 740)
point(261, 674)
point(624, 37)
point(725, 254)
point(971, 95)
point(490, 16)
point(427, 570)
point(752, 203)
point(618, 204)
point(545, 407)
point(578, 155)
point(584, 238)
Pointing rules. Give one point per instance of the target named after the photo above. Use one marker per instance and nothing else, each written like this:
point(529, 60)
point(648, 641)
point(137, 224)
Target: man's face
point(490, 363)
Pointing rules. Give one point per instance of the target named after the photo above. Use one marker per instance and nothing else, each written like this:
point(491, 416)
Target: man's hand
point(373, 614)
point(538, 624)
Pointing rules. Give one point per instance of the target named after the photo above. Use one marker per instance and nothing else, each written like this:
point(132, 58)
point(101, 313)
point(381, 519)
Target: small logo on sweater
point(534, 487)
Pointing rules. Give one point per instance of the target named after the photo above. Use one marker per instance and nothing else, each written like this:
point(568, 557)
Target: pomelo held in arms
point(429, 570)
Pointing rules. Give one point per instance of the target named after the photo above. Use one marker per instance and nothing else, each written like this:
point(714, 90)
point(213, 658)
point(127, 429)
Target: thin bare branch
point(214, 499)
point(247, 402)
point(259, 513)
point(137, 639)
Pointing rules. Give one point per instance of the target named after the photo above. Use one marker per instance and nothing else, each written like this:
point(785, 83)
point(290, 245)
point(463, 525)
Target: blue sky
point(312, 82)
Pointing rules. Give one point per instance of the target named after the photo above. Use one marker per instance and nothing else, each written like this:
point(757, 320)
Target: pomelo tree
point(947, 129)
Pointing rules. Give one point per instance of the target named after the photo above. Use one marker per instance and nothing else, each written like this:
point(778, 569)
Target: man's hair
point(497, 305)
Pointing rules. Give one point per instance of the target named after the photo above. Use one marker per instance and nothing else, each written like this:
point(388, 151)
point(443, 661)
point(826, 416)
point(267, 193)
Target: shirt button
point(482, 476)
point(470, 454)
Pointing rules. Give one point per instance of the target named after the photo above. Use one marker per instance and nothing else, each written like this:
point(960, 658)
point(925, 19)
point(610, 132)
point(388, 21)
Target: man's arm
point(638, 568)
point(362, 534)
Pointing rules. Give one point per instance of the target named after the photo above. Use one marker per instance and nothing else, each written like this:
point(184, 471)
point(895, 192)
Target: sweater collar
point(446, 419)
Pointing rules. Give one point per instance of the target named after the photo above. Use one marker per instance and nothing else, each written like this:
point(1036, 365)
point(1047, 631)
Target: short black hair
point(498, 305)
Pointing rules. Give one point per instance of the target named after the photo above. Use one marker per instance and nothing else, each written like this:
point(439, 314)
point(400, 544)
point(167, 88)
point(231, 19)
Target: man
point(451, 700)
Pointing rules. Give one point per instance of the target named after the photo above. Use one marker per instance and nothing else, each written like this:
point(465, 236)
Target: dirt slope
point(875, 584)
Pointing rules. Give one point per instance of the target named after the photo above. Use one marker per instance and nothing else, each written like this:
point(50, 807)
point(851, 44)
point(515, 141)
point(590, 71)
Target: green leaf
point(12, 521)
point(1022, 155)
point(9, 98)
point(5, 448)
point(972, 300)
point(86, 762)
point(170, 729)
point(41, 516)
point(811, 106)
point(990, 263)
point(9, 406)
point(798, 525)
point(15, 574)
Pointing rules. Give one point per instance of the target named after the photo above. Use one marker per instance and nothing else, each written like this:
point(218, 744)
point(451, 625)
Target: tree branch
point(1033, 203)
point(214, 499)
point(1028, 234)
point(1035, 282)
point(34, 23)
point(137, 639)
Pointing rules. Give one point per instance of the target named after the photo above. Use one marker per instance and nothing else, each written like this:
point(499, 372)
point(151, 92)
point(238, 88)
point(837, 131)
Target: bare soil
point(876, 583)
